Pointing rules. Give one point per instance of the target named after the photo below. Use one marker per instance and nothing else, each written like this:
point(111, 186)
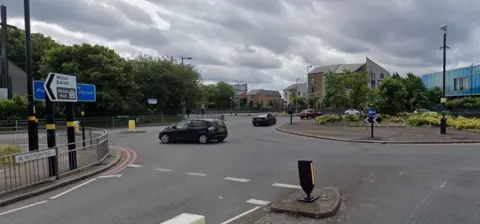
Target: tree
point(392, 95)
point(259, 105)
point(243, 102)
point(416, 92)
point(250, 104)
point(225, 95)
point(312, 101)
point(357, 85)
point(335, 94)
point(434, 95)
point(16, 48)
point(117, 91)
point(299, 100)
point(271, 103)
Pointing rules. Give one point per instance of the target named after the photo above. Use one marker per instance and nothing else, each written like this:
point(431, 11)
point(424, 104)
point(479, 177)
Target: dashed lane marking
point(197, 174)
point(241, 215)
point(73, 188)
point(134, 165)
point(163, 170)
point(258, 202)
point(286, 185)
point(237, 179)
point(24, 207)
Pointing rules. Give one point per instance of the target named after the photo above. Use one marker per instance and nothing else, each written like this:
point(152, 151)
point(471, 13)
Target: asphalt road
point(379, 183)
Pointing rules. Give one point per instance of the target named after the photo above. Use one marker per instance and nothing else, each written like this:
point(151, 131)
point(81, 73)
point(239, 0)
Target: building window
point(381, 75)
point(461, 84)
point(372, 83)
point(313, 89)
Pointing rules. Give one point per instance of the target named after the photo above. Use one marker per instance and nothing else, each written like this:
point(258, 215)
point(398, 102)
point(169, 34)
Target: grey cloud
point(226, 74)
point(132, 12)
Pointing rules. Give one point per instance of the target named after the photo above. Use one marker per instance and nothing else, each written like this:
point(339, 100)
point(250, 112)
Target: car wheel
point(221, 140)
point(203, 139)
point(165, 138)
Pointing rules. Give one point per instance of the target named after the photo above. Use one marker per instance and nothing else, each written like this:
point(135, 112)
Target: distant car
point(264, 119)
point(195, 130)
point(424, 111)
point(309, 113)
point(352, 112)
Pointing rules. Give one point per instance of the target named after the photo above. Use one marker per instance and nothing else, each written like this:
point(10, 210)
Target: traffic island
point(382, 134)
point(325, 206)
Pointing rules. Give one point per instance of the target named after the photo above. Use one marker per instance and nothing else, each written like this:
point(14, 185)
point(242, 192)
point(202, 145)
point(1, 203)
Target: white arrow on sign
point(61, 88)
point(372, 120)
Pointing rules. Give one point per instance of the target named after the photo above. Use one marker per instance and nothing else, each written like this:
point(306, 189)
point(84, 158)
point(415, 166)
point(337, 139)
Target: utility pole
point(185, 58)
point(443, 120)
point(296, 100)
point(32, 120)
point(470, 82)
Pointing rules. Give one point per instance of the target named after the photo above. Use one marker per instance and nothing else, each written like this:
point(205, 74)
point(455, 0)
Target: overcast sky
point(268, 43)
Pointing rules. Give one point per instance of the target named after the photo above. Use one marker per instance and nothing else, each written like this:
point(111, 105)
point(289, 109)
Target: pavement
point(382, 134)
point(407, 183)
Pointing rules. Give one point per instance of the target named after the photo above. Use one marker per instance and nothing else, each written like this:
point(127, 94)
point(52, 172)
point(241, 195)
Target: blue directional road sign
point(85, 92)
point(372, 112)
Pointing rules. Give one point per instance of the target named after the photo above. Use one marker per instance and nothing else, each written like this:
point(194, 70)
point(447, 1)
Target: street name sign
point(61, 88)
point(85, 92)
point(34, 155)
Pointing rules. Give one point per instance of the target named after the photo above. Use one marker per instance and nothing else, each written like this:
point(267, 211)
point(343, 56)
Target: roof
point(338, 68)
point(272, 93)
point(239, 93)
point(254, 92)
point(296, 86)
point(266, 92)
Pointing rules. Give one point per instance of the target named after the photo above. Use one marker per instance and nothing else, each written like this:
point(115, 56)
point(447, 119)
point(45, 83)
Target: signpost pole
point(51, 138)
point(371, 130)
point(32, 125)
point(83, 125)
point(72, 154)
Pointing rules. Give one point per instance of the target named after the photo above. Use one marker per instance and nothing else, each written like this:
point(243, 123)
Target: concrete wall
point(377, 73)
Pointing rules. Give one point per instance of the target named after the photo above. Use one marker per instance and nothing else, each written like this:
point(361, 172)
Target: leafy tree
point(434, 95)
point(299, 100)
point(225, 95)
point(335, 94)
point(243, 102)
point(271, 103)
point(259, 105)
point(117, 91)
point(416, 92)
point(357, 84)
point(16, 48)
point(312, 101)
point(392, 95)
point(250, 104)
point(396, 76)
point(15, 108)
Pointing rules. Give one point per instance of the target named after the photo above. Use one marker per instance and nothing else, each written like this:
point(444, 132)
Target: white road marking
point(134, 165)
point(197, 174)
point(237, 179)
point(73, 188)
point(110, 176)
point(162, 170)
point(286, 185)
point(24, 207)
point(258, 202)
point(186, 218)
point(241, 215)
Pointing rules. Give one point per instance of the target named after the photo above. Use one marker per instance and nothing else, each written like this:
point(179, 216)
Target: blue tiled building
point(458, 82)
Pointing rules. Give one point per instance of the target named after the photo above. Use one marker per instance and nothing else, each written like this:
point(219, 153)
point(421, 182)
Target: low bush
point(328, 118)
point(397, 119)
point(352, 118)
point(6, 150)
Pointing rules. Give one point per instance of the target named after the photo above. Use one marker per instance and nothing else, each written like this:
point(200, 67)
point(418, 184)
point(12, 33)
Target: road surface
point(379, 183)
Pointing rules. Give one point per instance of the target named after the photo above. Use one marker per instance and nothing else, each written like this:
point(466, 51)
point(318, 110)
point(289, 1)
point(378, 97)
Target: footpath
point(114, 156)
point(382, 134)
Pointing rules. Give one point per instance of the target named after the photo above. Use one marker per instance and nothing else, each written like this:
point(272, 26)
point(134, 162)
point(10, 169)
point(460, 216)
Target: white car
point(352, 112)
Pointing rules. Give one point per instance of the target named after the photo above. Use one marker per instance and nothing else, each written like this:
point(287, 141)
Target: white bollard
point(186, 218)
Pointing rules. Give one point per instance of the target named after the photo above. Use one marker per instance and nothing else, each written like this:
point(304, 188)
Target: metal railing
point(26, 169)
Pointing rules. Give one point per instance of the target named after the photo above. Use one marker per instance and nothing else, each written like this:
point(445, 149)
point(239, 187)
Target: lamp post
point(443, 120)
point(470, 82)
point(32, 124)
point(308, 89)
point(185, 58)
point(296, 99)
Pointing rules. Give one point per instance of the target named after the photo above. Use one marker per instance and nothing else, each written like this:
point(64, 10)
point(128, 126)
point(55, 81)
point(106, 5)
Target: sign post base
point(308, 199)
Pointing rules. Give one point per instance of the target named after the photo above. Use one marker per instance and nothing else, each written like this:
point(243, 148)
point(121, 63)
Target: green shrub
point(351, 117)
point(6, 150)
point(328, 118)
point(397, 120)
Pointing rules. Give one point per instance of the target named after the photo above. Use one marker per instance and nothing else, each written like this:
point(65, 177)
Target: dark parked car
point(199, 130)
point(264, 119)
point(309, 113)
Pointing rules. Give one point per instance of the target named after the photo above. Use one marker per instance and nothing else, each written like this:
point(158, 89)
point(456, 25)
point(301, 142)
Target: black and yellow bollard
point(306, 173)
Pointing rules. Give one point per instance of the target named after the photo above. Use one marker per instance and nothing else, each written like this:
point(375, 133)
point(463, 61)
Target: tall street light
point(470, 82)
point(443, 121)
point(296, 99)
point(308, 89)
point(185, 58)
